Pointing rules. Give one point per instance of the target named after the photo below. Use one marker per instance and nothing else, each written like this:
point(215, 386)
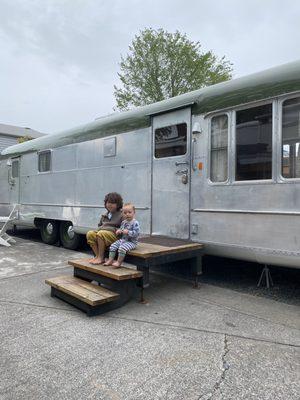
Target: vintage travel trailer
point(219, 165)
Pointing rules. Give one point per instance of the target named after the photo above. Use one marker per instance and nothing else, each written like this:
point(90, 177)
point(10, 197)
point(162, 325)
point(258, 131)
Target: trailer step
point(118, 274)
point(86, 292)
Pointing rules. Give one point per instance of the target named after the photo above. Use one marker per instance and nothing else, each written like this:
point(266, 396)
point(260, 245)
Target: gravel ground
point(238, 275)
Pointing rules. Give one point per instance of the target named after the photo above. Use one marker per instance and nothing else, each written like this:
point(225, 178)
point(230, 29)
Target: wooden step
point(118, 274)
point(82, 290)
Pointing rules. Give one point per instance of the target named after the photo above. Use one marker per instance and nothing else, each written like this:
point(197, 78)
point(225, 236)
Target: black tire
point(49, 231)
point(69, 239)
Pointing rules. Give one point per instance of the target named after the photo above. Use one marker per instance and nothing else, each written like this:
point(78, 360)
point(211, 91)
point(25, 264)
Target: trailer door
point(171, 174)
point(14, 180)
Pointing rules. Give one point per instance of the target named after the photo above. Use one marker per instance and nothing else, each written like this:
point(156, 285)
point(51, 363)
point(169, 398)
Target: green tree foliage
point(161, 65)
point(22, 139)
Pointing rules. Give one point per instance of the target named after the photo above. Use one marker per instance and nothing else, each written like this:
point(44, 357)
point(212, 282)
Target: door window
point(170, 141)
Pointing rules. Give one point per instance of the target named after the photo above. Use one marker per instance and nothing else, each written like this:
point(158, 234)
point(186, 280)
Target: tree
point(25, 138)
point(161, 65)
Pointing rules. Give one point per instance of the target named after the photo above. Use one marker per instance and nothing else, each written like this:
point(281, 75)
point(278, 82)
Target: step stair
point(86, 296)
point(111, 287)
point(123, 282)
point(119, 274)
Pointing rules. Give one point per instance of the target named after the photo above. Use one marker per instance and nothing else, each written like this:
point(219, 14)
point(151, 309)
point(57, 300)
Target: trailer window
point(171, 141)
point(15, 169)
point(45, 161)
point(219, 149)
point(291, 138)
point(254, 143)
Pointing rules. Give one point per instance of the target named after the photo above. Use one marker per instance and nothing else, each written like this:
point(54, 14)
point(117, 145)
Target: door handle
point(182, 171)
point(181, 163)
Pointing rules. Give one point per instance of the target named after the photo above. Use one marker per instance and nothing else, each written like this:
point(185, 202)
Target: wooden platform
point(118, 274)
point(146, 249)
point(153, 251)
point(82, 290)
point(117, 286)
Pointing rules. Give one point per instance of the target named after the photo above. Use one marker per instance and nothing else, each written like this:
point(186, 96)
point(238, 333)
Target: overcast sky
point(59, 58)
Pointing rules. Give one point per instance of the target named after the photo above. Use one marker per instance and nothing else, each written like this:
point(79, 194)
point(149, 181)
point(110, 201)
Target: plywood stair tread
point(82, 290)
point(119, 274)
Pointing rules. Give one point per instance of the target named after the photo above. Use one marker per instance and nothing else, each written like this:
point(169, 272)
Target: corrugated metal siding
point(6, 141)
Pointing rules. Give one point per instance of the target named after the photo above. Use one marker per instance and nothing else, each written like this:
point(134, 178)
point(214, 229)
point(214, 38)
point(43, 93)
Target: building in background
point(9, 134)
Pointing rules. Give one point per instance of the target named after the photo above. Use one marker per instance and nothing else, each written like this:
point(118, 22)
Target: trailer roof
point(258, 86)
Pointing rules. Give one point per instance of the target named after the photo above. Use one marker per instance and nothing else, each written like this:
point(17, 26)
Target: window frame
point(231, 112)
point(281, 100)
point(38, 161)
point(13, 160)
point(272, 180)
point(229, 117)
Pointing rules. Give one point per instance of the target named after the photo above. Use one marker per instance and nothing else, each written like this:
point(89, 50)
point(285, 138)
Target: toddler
point(129, 230)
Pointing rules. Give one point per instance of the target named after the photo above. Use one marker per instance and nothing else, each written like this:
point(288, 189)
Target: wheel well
point(38, 221)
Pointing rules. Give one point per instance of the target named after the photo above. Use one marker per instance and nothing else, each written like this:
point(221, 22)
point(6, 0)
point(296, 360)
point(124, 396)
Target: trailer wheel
point(49, 231)
point(69, 239)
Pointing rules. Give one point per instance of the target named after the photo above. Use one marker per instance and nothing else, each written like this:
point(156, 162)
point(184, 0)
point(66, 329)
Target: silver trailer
point(220, 166)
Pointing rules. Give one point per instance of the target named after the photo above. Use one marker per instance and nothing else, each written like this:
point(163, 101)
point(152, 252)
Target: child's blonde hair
point(129, 205)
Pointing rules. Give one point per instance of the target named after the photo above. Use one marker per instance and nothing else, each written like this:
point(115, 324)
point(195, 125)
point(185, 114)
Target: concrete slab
point(210, 343)
point(53, 353)
point(254, 370)
point(214, 309)
point(28, 257)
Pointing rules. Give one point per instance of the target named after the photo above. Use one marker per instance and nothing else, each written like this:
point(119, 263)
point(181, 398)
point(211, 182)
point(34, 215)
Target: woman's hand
point(119, 232)
point(125, 231)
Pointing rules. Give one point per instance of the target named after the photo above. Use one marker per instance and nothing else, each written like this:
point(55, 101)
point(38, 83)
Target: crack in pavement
point(225, 367)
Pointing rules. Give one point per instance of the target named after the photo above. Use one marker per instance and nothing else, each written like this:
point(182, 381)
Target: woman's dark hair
point(115, 198)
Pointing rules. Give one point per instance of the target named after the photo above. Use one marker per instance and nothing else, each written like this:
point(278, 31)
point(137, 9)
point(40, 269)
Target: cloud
point(60, 57)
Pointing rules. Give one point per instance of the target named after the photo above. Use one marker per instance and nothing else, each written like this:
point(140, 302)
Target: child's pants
point(122, 246)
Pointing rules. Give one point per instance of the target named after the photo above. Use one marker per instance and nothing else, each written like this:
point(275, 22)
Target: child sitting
point(129, 230)
point(109, 223)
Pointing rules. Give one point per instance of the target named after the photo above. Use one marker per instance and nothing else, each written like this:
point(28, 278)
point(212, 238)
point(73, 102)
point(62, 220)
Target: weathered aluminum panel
point(109, 147)
point(64, 158)
point(269, 83)
point(251, 220)
point(263, 238)
point(170, 196)
point(80, 177)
